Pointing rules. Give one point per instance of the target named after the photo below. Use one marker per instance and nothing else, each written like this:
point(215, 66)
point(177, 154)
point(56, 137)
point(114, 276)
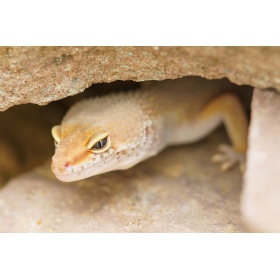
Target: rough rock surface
point(177, 191)
point(261, 195)
point(43, 74)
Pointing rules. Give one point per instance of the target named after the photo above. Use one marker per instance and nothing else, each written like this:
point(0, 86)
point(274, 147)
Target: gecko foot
point(228, 158)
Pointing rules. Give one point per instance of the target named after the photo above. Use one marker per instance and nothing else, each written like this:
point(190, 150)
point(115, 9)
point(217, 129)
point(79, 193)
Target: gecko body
point(119, 130)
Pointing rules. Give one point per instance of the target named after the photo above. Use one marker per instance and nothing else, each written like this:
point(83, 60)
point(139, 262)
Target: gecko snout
point(59, 167)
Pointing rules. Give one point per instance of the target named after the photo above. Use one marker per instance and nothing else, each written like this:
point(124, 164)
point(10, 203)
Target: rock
point(261, 196)
point(43, 74)
point(179, 190)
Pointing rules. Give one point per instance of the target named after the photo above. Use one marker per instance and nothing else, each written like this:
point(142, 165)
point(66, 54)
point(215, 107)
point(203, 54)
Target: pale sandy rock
point(177, 191)
point(43, 74)
point(261, 195)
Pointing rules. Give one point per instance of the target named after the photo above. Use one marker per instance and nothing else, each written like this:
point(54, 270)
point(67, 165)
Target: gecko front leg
point(228, 107)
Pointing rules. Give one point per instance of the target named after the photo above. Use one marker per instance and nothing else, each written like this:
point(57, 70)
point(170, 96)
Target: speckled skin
point(140, 124)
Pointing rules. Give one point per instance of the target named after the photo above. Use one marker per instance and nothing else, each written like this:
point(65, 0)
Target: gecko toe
point(228, 158)
point(218, 158)
point(227, 165)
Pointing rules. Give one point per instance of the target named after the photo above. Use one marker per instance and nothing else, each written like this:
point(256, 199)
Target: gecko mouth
point(70, 175)
point(80, 174)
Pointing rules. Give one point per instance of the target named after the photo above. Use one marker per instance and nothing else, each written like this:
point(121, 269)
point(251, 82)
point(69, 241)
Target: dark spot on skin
point(66, 164)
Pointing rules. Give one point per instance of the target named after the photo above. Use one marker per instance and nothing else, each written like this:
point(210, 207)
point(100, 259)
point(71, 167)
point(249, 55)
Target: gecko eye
point(99, 143)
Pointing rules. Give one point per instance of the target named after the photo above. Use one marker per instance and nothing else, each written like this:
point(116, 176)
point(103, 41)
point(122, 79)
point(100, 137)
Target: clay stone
point(43, 74)
point(261, 196)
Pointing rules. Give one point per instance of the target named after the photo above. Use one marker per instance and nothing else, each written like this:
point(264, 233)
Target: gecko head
point(85, 151)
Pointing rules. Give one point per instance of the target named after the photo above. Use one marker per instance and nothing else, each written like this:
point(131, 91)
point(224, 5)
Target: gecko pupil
point(100, 144)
